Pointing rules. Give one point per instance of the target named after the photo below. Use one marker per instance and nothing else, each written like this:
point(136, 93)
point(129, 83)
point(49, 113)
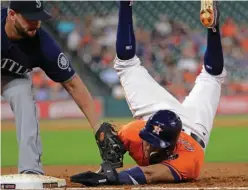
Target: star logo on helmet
point(173, 123)
point(156, 129)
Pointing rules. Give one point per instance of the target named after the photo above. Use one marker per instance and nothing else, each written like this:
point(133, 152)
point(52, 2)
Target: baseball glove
point(110, 146)
point(109, 176)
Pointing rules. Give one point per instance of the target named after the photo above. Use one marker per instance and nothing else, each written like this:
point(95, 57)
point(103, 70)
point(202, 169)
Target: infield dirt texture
point(69, 148)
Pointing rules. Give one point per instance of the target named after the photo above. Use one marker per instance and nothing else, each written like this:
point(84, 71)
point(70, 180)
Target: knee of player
point(21, 93)
point(206, 75)
point(120, 65)
point(117, 66)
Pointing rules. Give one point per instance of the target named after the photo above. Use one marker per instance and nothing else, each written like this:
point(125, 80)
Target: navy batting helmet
point(162, 130)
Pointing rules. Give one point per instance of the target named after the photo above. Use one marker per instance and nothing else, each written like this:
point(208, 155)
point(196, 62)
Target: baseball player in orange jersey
point(168, 138)
point(184, 164)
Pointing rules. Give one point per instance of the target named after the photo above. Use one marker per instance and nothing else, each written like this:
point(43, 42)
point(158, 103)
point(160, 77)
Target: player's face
point(148, 150)
point(25, 27)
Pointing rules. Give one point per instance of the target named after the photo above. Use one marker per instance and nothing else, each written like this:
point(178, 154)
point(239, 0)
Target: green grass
point(232, 117)
point(228, 145)
point(59, 148)
point(79, 147)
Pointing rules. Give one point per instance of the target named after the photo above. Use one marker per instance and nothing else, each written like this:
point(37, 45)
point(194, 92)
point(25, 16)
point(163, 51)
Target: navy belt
point(197, 139)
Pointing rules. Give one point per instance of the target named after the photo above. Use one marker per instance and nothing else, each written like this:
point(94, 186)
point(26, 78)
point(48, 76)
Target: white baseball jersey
point(145, 97)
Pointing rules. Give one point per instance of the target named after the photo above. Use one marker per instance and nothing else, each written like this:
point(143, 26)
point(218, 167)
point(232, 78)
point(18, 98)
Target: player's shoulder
point(45, 37)
point(48, 46)
point(187, 143)
point(136, 125)
point(131, 130)
point(187, 159)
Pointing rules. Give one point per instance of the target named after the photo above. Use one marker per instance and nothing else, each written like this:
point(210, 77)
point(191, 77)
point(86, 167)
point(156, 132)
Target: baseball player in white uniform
point(145, 96)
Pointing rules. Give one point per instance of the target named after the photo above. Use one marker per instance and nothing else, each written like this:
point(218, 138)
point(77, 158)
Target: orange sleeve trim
point(177, 176)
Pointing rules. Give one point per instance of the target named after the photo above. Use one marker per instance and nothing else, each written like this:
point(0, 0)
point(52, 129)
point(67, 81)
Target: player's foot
point(209, 14)
point(31, 172)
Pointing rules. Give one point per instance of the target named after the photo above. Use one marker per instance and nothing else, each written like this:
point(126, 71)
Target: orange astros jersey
point(190, 154)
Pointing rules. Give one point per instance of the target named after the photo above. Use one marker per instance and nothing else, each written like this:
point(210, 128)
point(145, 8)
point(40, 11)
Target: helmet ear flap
point(157, 157)
point(160, 155)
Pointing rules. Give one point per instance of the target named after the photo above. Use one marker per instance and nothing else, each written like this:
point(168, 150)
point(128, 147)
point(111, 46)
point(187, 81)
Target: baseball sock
point(213, 59)
point(125, 43)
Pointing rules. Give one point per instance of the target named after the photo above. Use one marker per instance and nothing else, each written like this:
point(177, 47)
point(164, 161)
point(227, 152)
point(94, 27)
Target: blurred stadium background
point(170, 42)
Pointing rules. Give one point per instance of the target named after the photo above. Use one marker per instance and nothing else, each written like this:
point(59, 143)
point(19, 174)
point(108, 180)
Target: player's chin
point(31, 33)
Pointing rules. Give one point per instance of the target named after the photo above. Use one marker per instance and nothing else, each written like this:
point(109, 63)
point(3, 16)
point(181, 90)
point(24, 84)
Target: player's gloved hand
point(110, 146)
point(108, 177)
point(89, 178)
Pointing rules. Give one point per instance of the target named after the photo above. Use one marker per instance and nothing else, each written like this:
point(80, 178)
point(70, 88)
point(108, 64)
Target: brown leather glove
point(110, 146)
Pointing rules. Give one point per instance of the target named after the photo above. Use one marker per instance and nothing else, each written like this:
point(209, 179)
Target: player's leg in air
point(143, 94)
point(204, 98)
point(18, 93)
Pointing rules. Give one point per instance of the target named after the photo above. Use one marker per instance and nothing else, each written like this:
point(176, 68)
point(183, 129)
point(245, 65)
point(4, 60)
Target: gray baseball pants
point(18, 93)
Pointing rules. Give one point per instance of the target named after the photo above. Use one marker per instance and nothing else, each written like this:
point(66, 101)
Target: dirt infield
point(213, 175)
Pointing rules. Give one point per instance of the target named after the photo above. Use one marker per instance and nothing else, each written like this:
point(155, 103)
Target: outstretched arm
point(160, 173)
point(57, 66)
point(79, 92)
point(157, 173)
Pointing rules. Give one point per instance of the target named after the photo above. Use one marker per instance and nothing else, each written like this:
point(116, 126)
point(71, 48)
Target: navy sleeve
point(55, 63)
point(4, 13)
point(4, 38)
